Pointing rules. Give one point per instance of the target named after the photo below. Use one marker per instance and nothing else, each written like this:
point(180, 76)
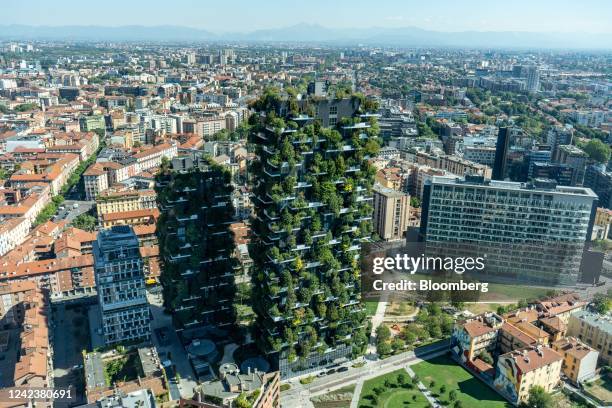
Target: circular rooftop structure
point(255, 363)
point(202, 348)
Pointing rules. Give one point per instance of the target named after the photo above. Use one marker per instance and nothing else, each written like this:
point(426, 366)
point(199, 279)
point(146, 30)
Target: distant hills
point(312, 33)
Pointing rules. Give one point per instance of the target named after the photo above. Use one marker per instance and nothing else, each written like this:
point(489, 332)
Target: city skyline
point(445, 16)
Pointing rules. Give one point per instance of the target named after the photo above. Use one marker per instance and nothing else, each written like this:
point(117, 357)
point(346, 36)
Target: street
point(172, 345)
point(67, 210)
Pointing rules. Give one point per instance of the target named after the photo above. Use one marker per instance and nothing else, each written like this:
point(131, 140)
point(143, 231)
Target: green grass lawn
point(504, 292)
point(498, 292)
point(393, 395)
point(371, 307)
point(470, 391)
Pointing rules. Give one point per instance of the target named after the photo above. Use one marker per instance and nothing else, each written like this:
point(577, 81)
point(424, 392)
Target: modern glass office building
point(121, 286)
point(529, 232)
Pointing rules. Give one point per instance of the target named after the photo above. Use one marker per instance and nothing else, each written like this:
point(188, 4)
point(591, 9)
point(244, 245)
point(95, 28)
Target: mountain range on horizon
point(313, 33)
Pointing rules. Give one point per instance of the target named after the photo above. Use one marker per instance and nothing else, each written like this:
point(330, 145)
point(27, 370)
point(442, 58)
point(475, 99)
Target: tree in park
point(401, 379)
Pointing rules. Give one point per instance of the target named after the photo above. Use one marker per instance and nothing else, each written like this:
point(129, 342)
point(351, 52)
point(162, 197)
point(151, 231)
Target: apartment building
point(480, 154)
point(421, 175)
point(531, 232)
point(391, 213)
point(54, 170)
point(603, 221)
point(61, 277)
point(13, 232)
point(519, 343)
point(520, 370)
point(579, 360)
point(295, 177)
point(152, 157)
point(474, 336)
point(121, 201)
point(145, 216)
point(393, 177)
point(103, 175)
point(599, 180)
point(95, 181)
point(575, 158)
point(593, 329)
point(453, 164)
point(120, 283)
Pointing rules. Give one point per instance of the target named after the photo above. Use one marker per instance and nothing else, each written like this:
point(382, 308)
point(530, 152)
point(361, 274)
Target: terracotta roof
point(144, 229)
point(147, 212)
point(518, 334)
point(554, 323)
point(532, 358)
point(476, 328)
point(561, 304)
point(44, 267)
point(153, 150)
point(95, 169)
point(573, 347)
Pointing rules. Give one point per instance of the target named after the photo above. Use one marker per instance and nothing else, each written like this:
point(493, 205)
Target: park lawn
point(498, 292)
point(503, 292)
point(470, 390)
point(370, 307)
point(479, 308)
point(392, 396)
point(400, 309)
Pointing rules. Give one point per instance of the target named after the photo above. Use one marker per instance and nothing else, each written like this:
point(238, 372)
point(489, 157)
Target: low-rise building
point(593, 329)
point(579, 360)
point(520, 370)
point(136, 217)
point(110, 202)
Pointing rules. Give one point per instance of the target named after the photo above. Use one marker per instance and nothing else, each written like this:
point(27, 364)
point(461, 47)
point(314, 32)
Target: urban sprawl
point(183, 225)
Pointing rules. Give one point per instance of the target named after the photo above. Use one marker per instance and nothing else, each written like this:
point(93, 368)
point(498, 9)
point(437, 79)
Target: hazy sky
point(592, 16)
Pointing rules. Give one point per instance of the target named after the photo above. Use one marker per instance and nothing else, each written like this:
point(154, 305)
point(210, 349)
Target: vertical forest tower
point(313, 204)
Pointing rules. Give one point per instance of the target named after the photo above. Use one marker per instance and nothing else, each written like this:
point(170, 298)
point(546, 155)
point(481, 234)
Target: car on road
point(321, 374)
point(333, 370)
point(75, 205)
point(343, 369)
